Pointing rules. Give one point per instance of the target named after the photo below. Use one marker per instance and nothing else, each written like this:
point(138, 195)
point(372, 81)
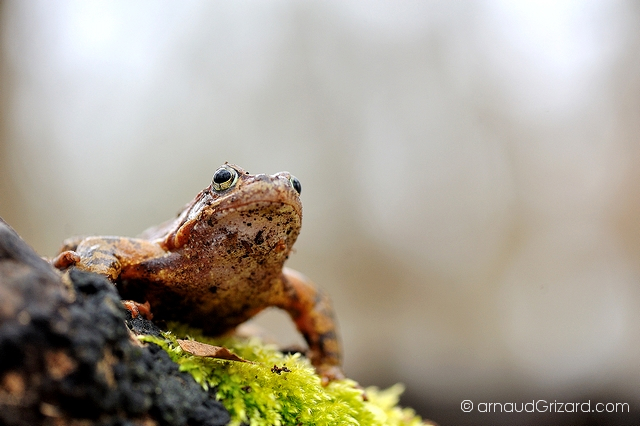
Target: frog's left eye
point(296, 184)
point(224, 178)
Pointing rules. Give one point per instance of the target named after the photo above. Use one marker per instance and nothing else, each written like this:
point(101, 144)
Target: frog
point(220, 262)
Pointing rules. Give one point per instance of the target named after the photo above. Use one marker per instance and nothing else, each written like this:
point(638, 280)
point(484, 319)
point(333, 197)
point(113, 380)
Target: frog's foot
point(65, 259)
point(137, 308)
point(329, 373)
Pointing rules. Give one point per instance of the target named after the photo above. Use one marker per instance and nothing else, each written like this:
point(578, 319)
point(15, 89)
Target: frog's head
point(241, 215)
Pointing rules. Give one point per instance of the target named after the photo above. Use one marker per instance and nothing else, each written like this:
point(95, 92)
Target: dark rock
point(142, 326)
point(67, 357)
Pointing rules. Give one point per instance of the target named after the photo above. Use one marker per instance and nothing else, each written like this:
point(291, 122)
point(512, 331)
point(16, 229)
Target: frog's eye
point(296, 184)
point(224, 178)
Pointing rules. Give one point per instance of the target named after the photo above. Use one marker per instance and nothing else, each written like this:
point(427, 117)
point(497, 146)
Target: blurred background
point(469, 169)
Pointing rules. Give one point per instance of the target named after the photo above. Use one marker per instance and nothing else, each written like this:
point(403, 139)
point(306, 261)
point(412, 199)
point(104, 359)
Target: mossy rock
point(67, 358)
point(281, 389)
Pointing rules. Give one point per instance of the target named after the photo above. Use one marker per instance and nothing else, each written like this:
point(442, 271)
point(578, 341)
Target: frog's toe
point(138, 309)
point(65, 259)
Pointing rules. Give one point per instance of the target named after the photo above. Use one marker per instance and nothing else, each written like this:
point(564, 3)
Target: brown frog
point(220, 262)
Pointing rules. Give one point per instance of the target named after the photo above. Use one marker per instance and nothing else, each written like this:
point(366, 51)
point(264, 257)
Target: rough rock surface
point(67, 357)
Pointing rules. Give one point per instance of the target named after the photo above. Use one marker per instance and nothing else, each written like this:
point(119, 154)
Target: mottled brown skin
point(219, 263)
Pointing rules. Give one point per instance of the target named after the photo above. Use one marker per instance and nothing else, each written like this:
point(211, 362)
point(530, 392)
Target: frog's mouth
point(256, 207)
point(203, 209)
point(261, 190)
point(278, 220)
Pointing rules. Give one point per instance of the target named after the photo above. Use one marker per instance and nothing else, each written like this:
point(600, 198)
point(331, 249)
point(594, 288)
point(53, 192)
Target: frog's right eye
point(224, 178)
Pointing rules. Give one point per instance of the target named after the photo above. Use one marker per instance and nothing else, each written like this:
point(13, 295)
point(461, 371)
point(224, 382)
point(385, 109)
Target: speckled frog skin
point(220, 262)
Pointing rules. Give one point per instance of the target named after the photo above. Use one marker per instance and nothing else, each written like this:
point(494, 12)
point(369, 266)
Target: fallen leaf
point(210, 351)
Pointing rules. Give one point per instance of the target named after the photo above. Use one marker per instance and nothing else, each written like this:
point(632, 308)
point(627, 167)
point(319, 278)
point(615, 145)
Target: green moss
point(254, 393)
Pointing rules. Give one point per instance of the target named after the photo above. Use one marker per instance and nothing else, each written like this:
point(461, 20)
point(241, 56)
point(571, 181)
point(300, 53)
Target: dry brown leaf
point(210, 351)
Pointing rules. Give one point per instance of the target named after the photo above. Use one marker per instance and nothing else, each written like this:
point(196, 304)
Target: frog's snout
point(290, 179)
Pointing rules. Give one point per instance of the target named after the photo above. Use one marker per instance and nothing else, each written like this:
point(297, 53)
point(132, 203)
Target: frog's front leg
point(106, 256)
point(311, 310)
point(94, 254)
